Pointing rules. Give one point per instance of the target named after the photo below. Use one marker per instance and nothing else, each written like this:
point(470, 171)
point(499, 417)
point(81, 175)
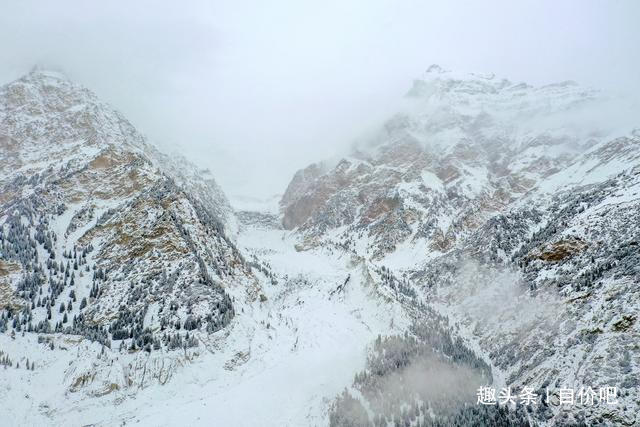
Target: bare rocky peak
point(47, 121)
point(490, 91)
point(510, 212)
point(465, 147)
point(132, 229)
point(45, 107)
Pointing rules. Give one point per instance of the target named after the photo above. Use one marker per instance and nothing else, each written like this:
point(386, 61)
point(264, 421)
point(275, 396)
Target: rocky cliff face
point(510, 211)
point(486, 235)
point(108, 237)
point(466, 147)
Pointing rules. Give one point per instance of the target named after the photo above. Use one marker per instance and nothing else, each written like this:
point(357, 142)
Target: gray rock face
point(115, 240)
point(518, 226)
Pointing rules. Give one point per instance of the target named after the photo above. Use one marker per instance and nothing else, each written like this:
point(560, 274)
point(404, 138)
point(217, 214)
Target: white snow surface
point(295, 341)
point(279, 363)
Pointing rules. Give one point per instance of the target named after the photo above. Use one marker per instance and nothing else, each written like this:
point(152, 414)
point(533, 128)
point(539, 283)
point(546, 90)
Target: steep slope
point(126, 295)
point(548, 288)
point(511, 212)
point(466, 147)
point(486, 235)
point(109, 238)
point(292, 345)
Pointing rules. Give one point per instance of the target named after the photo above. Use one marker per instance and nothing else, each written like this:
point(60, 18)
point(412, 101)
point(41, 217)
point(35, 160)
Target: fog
point(256, 90)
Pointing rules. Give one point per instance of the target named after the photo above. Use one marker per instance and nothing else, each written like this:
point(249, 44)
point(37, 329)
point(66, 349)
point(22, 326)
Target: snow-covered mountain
point(105, 230)
point(127, 293)
point(102, 236)
point(487, 234)
point(464, 149)
point(510, 210)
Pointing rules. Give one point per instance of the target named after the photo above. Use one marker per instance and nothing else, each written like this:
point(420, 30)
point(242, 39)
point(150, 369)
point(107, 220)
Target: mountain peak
point(41, 71)
point(437, 72)
point(436, 69)
point(488, 92)
point(42, 86)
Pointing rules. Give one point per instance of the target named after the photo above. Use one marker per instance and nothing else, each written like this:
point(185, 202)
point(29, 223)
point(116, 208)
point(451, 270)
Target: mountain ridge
point(522, 239)
point(466, 243)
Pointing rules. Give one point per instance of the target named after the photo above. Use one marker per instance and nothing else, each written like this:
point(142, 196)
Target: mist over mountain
point(484, 235)
point(255, 91)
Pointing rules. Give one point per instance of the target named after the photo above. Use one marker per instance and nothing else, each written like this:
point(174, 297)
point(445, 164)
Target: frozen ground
point(280, 363)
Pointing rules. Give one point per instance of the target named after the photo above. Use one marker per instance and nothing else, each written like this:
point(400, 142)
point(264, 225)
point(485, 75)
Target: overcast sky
point(255, 90)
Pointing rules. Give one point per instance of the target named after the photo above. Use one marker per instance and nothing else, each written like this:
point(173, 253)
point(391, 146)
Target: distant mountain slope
point(547, 288)
point(513, 212)
point(466, 147)
point(124, 297)
point(486, 235)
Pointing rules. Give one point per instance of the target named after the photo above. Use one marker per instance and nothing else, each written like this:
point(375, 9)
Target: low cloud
point(256, 91)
